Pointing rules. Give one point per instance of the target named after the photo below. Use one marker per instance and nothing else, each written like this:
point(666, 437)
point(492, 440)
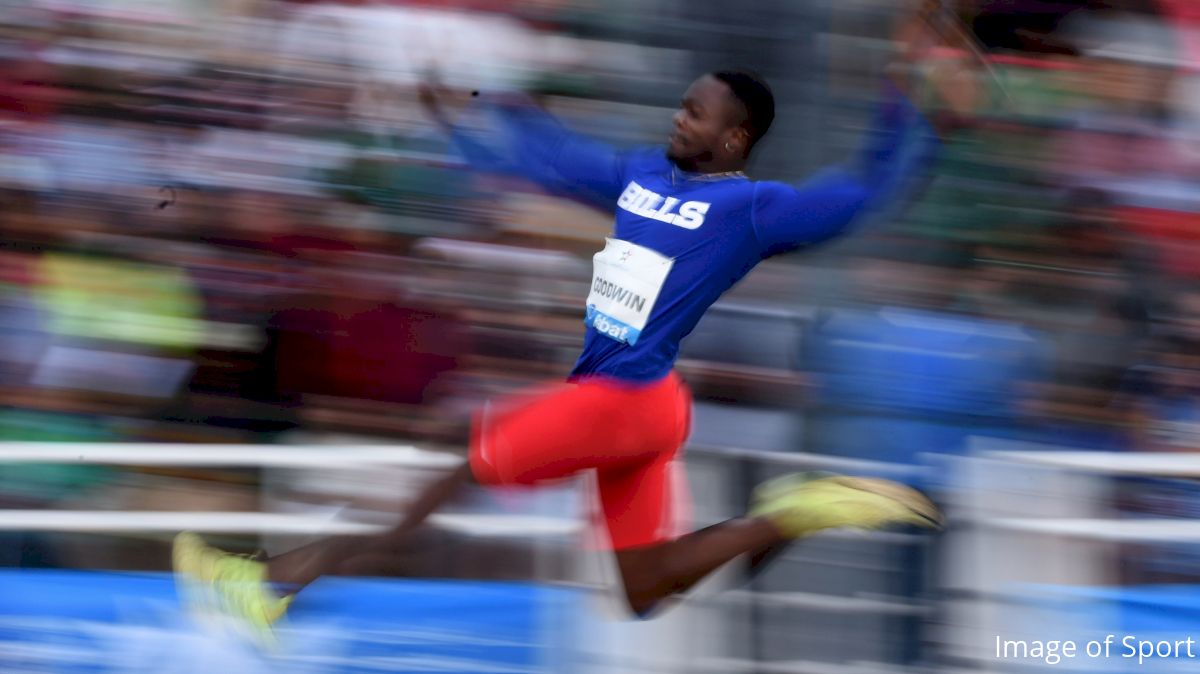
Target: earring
point(727, 148)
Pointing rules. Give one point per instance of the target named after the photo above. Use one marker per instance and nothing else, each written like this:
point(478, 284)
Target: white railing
point(333, 457)
point(1029, 518)
point(1075, 490)
point(168, 521)
point(304, 457)
point(265, 456)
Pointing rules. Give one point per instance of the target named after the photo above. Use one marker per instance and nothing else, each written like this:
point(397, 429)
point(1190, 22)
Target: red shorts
point(629, 433)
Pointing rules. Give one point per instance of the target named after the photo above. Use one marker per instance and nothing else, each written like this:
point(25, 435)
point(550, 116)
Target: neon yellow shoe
point(236, 585)
point(803, 503)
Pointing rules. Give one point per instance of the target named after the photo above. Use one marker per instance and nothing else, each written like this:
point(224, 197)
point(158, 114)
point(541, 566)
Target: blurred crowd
point(231, 222)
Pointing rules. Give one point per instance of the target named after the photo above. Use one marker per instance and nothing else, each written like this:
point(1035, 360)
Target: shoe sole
point(914, 501)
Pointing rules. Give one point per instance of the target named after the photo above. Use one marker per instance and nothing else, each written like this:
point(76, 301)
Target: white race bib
point(626, 281)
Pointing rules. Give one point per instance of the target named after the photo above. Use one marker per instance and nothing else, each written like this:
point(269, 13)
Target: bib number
point(626, 281)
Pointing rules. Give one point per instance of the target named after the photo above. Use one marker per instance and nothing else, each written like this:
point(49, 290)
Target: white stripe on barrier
point(1116, 531)
point(1158, 464)
point(350, 456)
point(92, 521)
point(267, 456)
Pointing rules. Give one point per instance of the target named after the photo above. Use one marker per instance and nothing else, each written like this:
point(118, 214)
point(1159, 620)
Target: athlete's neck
point(710, 165)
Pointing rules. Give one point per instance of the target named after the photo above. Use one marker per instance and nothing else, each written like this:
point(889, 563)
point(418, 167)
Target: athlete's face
point(708, 124)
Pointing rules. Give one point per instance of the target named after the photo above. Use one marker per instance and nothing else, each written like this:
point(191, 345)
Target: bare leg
point(656, 572)
point(296, 569)
point(650, 574)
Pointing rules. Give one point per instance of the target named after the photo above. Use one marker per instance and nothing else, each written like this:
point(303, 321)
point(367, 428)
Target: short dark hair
point(755, 95)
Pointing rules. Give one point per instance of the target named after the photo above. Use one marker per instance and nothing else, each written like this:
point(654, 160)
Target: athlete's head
point(722, 115)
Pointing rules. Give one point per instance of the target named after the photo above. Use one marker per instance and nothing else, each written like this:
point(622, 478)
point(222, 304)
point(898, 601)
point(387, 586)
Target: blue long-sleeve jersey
point(681, 240)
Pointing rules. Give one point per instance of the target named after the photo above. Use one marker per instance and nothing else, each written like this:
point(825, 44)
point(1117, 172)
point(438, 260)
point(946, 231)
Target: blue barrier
point(1133, 629)
point(72, 622)
point(1157, 609)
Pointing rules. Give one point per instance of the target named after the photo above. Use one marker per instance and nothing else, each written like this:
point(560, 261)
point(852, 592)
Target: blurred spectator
point(359, 341)
point(1169, 405)
point(916, 368)
point(220, 221)
point(1162, 394)
point(31, 86)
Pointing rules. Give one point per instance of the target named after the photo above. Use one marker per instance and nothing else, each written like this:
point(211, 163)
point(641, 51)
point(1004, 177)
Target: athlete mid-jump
point(688, 225)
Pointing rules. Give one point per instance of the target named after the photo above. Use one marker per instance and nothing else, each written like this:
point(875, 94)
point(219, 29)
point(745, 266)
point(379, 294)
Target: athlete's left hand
point(442, 103)
point(432, 95)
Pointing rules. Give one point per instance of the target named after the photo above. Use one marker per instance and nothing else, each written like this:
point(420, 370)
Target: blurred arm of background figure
point(938, 65)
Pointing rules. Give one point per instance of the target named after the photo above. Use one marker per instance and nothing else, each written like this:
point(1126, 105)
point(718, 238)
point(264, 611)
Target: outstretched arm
point(529, 142)
point(899, 148)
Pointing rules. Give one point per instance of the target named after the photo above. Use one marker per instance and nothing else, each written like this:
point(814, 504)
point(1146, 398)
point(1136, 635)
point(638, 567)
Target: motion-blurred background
point(228, 222)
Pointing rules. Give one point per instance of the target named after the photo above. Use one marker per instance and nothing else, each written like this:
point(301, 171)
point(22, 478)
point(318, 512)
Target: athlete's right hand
point(939, 66)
